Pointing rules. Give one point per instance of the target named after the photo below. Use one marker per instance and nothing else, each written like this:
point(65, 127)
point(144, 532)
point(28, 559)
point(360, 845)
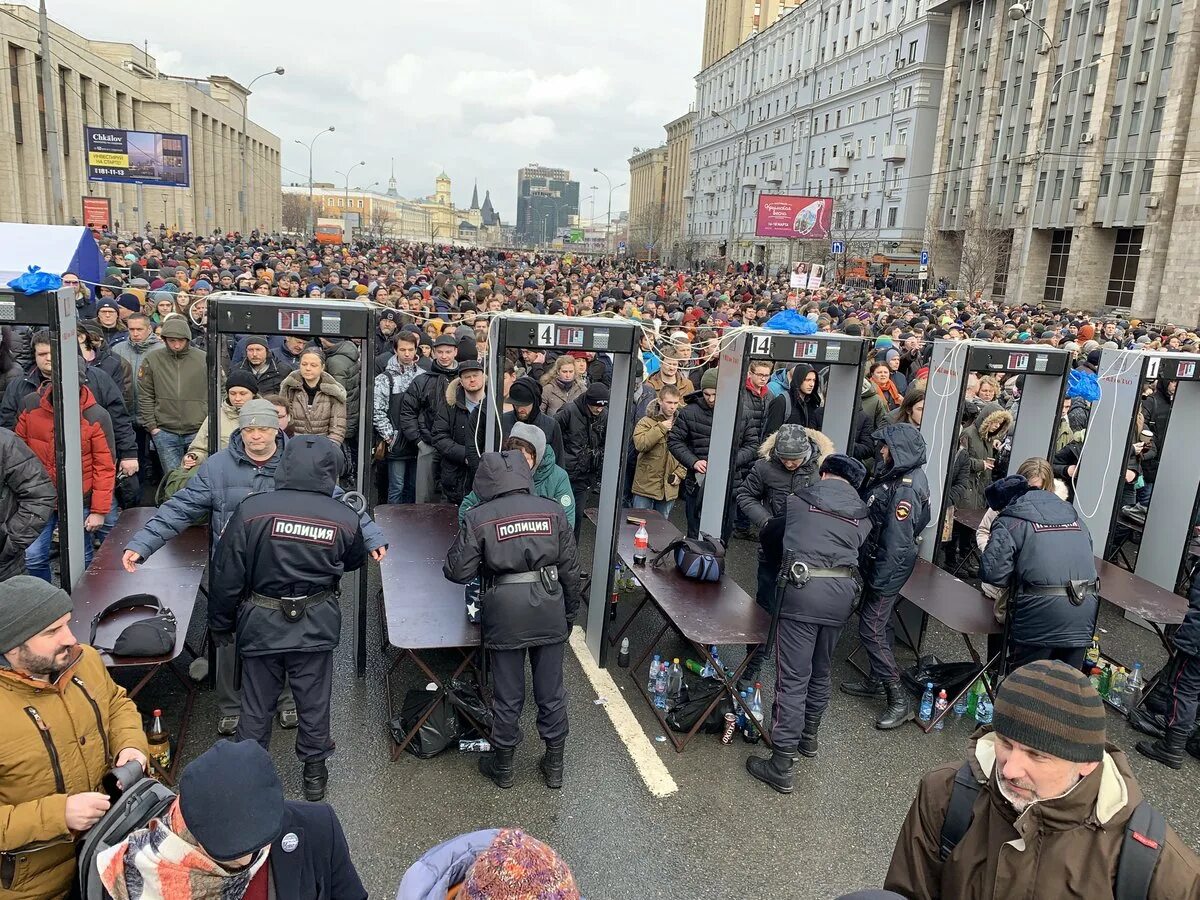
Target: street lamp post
point(737, 184)
point(1019, 11)
point(278, 70)
point(309, 145)
point(346, 200)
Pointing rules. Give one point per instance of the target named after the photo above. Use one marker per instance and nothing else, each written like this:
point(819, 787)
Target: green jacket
point(171, 390)
point(549, 481)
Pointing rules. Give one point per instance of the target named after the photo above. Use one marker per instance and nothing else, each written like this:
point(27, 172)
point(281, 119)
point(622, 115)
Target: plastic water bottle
point(960, 706)
point(756, 706)
point(1134, 687)
point(674, 683)
point(741, 711)
point(654, 666)
point(716, 659)
point(939, 707)
point(660, 687)
point(983, 709)
point(1119, 688)
point(926, 709)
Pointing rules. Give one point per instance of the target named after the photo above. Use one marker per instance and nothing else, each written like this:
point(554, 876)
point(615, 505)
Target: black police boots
point(316, 776)
point(1193, 744)
point(899, 707)
point(868, 687)
point(552, 764)
point(1168, 749)
point(778, 771)
point(498, 766)
point(808, 737)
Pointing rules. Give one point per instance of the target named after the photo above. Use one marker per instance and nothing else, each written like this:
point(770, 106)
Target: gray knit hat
point(27, 606)
point(533, 435)
point(258, 413)
point(1051, 707)
point(791, 442)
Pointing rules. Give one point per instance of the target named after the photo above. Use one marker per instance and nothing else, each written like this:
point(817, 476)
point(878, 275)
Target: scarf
point(565, 386)
point(164, 862)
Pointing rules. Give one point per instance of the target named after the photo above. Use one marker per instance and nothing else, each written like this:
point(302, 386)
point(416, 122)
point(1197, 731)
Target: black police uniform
point(817, 543)
point(523, 550)
point(898, 499)
point(274, 579)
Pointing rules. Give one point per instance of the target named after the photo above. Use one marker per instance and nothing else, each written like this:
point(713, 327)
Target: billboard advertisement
point(97, 211)
point(787, 216)
point(136, 157)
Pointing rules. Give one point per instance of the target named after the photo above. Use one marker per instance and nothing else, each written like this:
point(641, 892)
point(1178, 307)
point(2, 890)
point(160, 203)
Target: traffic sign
point(621, 245)
point(838, 247)
point(924, 257)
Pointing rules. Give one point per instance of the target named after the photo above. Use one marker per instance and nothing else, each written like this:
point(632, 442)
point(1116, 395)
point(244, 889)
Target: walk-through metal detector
point(1111, 432)
point(599, 335)
point(842, 355)
point(231, 314)
point(55, 311)
point(1045, 371)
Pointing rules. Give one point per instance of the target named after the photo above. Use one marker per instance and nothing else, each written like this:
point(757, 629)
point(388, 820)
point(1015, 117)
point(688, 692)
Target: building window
point(871, 145)
point(1003, 261)
point(1156, 115)
point(1168, 51)
point(1135, 118)
point(1125, 179)
point(1066, 131)
point(41, 99)
point(1059, 176)
point(893, 211)
point(864, 219)
point(1041, 186)
point(1127, 253)
point(1105, 179)
point(1147, 176)
point(907, 97)
point(1123, 64)
point(877, 215)
point(1076, 182)
point(65, 131)
point(1056, 271)
point(1114, 122)
point(14, 81)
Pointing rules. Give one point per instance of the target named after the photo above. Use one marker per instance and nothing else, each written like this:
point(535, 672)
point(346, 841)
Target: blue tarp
point(54, 248)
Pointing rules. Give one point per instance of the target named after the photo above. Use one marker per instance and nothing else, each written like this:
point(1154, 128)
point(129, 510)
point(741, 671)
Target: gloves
point(222, 638)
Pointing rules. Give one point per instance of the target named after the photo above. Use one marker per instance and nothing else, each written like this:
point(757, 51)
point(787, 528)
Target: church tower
point(442, 190)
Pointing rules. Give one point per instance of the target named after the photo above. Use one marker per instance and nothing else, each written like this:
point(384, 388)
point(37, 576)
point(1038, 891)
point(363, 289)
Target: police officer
point(815, 546)
point(275, 580)
point(523, 549)
point(898, 497)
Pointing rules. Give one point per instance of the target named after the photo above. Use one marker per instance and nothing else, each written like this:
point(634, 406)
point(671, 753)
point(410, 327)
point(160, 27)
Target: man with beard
point(56, 695)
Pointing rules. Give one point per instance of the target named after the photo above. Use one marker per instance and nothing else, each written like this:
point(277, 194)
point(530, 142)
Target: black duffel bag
point(685, 714)
point(468, 699)
point(439, 731)
point(950, 677)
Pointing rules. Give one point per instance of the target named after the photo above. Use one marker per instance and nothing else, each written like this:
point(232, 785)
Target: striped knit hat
point(518, 866)
point(1053, 708)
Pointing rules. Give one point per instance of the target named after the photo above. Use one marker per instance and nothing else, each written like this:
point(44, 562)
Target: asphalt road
point(722, 834)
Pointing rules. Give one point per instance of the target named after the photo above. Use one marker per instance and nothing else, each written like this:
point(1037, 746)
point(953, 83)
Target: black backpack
point(1144, 835)
point(142, 801)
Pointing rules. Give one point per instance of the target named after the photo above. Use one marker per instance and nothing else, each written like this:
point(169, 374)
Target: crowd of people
point(288, 427)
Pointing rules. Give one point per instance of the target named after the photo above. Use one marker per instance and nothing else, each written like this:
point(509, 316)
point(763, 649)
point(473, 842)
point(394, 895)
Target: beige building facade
point(679, 169)
point(378, 215)
point(729, 22)
point(647, 200)
point(113, 85)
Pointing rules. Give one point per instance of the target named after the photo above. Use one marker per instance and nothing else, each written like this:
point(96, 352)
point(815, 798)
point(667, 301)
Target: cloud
point(524, 131)
point(526, 89)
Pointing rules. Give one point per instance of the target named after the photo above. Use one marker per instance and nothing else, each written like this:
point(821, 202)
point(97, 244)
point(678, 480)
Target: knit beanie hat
point(258, 413)
point(708, 381)
point(28, 605)
point(791, 442)
point(1053, 708)
point(243, 379)
point(257, 339)
point(519, 867)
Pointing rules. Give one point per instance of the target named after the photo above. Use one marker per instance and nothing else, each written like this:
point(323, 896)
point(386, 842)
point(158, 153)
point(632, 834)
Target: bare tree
point(295, 212)
point(983, 245)
point(648, 232)
point(379, 225)
point(942, 247)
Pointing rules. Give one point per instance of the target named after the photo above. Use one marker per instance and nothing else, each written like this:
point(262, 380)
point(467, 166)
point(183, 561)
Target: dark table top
point(423, 610)
point(705, 612)
point(969, 518)
point(190, 548)
point(956, 604)
point(1122, 588)
point(98, 588)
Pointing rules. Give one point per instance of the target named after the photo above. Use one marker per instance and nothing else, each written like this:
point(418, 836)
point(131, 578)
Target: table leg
point(984, 668)
point(730, 687)
point(439, 695)
point(640, 684)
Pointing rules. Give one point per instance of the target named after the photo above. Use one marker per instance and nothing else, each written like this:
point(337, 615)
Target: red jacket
point(35, 426)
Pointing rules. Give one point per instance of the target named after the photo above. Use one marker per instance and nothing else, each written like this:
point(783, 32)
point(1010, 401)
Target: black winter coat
point(27, 497)
point(794, 407)
point(513, 531)
point(537, 418)
point(689, 438)
point(106, 392)
point(1156, 409)
point(319, 865)
point(452, 436)
point(898, 499)
point(1039, 539)
point(764, 491)
point(583, 443)
point(293, 541)
point(825, 526)
point(1187, 638)
point(272, 376)
point(418, 409)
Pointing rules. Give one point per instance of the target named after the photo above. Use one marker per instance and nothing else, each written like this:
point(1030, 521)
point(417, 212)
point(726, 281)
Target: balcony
point(774, 179)
point(896, 153)
point(839, 164)
point(689, 194)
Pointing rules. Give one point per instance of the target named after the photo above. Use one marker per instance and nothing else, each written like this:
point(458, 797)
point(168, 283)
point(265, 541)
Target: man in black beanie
point(584, 422)
point(232, 835)
point(1043, 807)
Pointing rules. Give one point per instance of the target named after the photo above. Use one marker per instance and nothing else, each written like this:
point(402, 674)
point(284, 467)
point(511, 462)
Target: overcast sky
point(477, 88)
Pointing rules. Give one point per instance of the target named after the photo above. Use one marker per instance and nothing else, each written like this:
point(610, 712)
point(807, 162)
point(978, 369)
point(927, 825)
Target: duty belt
point(1059, 590)
point(547, 575)
point(293, 608)
point(800, 573)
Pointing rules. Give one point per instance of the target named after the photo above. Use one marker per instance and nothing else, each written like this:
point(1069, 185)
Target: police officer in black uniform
point(815, 547)
point(898, 497)
point(523, 550)
point(274, 581)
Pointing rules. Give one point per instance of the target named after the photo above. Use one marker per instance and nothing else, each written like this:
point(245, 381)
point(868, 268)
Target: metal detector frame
point(55, 310)
point(1039, 410)
point(1112, 423)
point(600, 335)
point(842, 354)
point(232, 313)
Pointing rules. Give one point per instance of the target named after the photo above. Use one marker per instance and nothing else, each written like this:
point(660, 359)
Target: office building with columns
point(648, 226)
point(119, 86)
point(679, 167)
point(729, 22)
point(1063, 153)
point(834, 100)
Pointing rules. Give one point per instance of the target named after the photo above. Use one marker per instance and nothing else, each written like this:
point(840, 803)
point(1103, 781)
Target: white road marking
point(645, 758)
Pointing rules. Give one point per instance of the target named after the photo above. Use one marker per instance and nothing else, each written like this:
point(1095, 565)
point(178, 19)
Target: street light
point(1019, 11)
point(309, 145)
point(737, 182)
point(278, 70)
point(347, 174)
point(608, 215)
